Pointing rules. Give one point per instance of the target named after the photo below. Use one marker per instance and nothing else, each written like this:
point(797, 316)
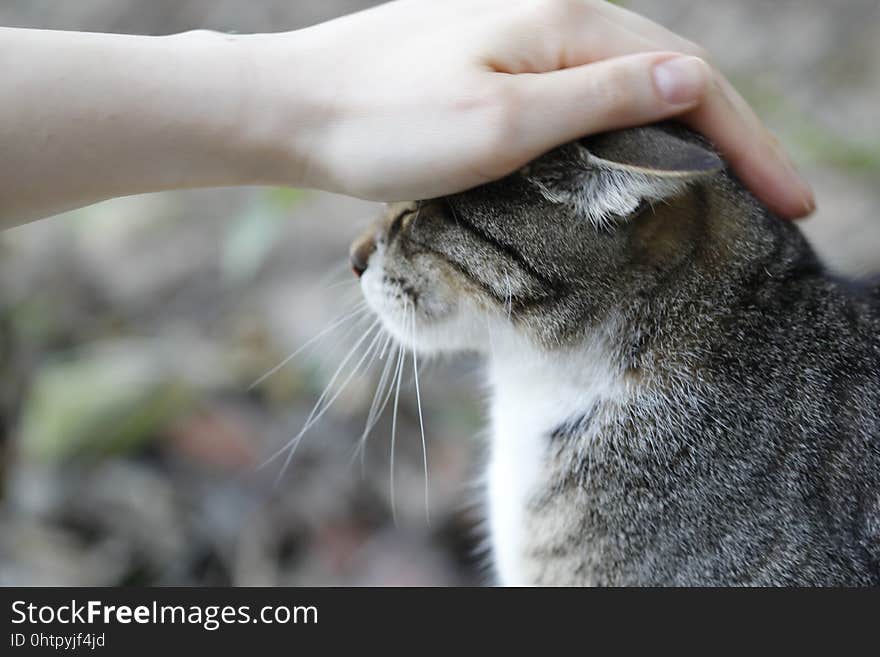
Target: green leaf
point(97, 404)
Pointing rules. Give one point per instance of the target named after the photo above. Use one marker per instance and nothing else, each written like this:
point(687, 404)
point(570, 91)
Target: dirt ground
point(131, 331)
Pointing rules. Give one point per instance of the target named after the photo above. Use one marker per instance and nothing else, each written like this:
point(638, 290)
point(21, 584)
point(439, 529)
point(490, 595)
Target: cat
point(680, 394)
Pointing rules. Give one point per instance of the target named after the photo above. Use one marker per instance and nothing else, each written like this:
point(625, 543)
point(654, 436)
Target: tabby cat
point(681, 394)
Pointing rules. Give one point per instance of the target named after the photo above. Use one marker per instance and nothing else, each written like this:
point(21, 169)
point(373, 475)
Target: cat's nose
point(360, 252)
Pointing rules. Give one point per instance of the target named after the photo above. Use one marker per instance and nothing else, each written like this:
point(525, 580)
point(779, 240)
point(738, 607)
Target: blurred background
point(131, 331)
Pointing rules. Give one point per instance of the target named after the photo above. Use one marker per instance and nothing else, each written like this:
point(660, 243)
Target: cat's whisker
point(382, 379)
point(353, 282)
point(421, 421)
point(376, 407)
point(401, 360)
point(369, 428)
point(359, 310)
point(342, 268)
point(323, 395)
point(314, 416)
point(369, 352)
point(388, 343)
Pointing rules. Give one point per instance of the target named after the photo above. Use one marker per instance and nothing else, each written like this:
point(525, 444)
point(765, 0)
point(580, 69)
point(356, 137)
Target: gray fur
point(751, 453)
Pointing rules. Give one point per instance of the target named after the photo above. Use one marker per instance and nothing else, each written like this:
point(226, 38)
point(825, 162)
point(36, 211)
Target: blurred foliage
point(35, 318)
point(249, 240)
point(107, 402)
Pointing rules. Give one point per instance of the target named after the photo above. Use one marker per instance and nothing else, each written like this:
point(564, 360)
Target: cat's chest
point(515, 472)
point(528, 408)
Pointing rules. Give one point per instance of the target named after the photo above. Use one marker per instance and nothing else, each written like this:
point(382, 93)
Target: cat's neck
point(552, 383)
point(534, 393)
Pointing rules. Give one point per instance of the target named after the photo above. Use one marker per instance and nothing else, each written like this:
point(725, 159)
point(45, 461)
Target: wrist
point(219, 115)
point(282, 107)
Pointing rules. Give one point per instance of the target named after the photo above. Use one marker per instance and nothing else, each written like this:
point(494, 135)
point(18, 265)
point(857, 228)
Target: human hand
point(414, 99)
point(408, 100)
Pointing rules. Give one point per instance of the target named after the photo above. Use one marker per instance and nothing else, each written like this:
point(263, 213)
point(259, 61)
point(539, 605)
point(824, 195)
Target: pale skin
point(412, 99)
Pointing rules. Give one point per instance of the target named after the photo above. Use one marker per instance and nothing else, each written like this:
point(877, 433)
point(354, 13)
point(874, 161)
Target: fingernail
point(807, 198)
point(808, 201)
point(680, 80)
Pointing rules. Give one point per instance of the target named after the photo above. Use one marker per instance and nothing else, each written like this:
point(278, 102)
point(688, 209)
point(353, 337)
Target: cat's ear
point(610, 175)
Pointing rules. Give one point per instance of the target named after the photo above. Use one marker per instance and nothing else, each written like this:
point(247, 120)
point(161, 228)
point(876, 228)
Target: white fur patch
point(603, 194)
point(601, 190)
point(532, 394)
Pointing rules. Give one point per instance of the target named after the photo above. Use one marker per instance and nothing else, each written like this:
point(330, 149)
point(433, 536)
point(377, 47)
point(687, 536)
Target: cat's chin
point(436, 323)
point(452, 333)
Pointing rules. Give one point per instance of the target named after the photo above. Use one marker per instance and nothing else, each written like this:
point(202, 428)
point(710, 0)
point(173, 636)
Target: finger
point(606, 95)
point(756, 156)
point(648, 87)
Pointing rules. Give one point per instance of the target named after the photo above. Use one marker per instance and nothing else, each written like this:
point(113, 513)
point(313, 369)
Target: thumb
point(608, 94)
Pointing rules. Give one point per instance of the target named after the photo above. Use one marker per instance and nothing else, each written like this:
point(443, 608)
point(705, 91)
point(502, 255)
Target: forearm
point(85, 117)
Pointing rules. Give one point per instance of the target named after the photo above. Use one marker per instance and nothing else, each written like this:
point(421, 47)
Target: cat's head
point(548, 252)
